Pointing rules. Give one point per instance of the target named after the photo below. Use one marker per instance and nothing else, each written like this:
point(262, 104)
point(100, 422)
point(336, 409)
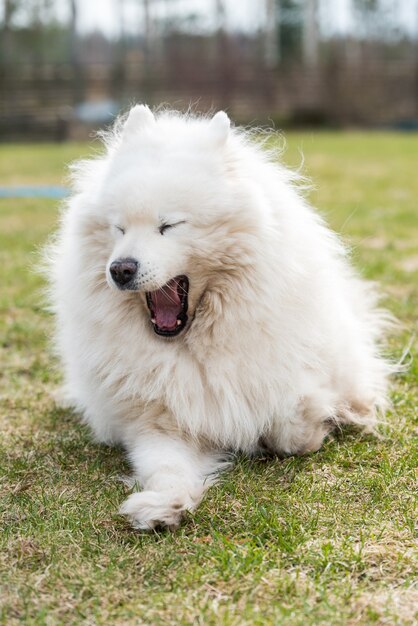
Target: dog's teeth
point(178, 322)
point(153, 320)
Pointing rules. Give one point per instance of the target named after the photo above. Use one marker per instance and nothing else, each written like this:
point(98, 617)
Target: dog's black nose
point(123, 271)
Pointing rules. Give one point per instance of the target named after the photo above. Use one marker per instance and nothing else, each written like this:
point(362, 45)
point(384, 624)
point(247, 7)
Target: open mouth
point(168, 306)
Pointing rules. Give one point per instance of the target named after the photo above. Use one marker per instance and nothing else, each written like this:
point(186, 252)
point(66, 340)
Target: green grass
point(325, 539)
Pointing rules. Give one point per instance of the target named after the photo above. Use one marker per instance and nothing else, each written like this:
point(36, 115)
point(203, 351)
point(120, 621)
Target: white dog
point(202, 306)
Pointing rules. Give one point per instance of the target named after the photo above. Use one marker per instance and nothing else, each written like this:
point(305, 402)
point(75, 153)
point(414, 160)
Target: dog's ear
point(140, 117)
point(220, 125)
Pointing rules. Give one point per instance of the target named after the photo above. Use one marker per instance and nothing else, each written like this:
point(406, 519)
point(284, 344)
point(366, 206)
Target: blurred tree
point(6, 43)
point(220, 15)
point(31, 33)
point(225, 69)
point(290, 28)
point(376, 19)
point(291, 31)
point(272, 33)
point(148, 76)
point(148, 35)
point(39, 17)
point(282, 30)
point(119, 67)
point(7, 52)
point(76, 64)
point(310, 33)
point(73, 32)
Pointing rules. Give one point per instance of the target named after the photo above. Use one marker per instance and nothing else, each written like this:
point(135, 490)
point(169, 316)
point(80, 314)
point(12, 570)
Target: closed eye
point(120, 229)
point(163, 227)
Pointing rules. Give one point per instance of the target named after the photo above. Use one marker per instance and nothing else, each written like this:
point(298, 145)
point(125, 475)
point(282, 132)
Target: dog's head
point(180, 215)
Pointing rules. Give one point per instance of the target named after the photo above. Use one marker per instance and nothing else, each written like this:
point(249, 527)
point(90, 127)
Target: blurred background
point(69, 66)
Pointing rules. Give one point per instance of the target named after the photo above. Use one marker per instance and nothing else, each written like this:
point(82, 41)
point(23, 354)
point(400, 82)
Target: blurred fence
point(334, 82)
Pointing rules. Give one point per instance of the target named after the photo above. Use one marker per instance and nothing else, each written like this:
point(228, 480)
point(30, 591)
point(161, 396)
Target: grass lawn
point(325, 539)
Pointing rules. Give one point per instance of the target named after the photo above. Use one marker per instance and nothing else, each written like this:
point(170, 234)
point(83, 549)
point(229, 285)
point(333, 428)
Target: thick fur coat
point(203, 306)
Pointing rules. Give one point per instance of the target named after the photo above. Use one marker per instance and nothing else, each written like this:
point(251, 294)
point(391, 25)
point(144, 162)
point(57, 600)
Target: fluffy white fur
point(282, 342)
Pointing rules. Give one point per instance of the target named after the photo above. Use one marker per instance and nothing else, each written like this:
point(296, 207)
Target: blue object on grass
point(42, 191)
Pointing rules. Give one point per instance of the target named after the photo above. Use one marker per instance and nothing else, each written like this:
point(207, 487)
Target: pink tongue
point(167, 306)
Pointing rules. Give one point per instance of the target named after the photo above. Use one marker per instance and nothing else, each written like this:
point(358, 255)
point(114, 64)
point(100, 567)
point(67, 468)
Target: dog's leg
point(174, 475)
point(304, 429)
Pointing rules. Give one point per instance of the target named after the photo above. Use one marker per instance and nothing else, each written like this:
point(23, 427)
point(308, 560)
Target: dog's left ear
point(220, 125)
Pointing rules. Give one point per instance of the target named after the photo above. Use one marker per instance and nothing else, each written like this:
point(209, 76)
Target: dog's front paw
point(148, 509)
